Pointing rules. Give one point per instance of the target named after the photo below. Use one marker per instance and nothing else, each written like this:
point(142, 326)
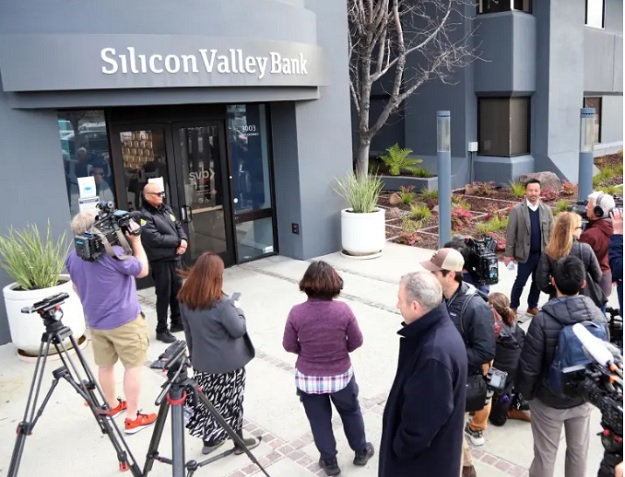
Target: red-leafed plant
point(460, 217)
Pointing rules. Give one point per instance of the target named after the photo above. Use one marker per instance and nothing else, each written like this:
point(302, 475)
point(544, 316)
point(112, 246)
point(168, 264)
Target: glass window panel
point(144, 158)
point(494, 6)
point(519, 126)
point(254, 238)
point(504, 125)
point(494, 130)
point(85, 153)
point(249, 155)
point(595, 13)
point(523, 5)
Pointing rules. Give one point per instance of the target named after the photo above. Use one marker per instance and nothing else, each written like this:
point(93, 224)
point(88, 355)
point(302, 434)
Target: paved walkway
point(67, 442)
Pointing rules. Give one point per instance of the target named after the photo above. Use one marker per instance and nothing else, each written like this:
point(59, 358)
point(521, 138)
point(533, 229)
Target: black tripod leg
point(176, 398)
point(159, 425)
point(226, 427)
point(25, 427)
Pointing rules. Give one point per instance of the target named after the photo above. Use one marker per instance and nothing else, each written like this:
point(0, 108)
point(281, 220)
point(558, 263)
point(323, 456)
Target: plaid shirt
point(323, 384)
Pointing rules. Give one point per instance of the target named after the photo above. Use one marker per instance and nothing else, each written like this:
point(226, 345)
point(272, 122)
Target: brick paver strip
point(282, 449)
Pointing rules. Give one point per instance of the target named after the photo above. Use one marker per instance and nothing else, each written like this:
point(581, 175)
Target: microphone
point(593, 345)
point(136, 216)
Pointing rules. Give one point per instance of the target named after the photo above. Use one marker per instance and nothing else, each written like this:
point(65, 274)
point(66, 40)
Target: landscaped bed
point(481, 209)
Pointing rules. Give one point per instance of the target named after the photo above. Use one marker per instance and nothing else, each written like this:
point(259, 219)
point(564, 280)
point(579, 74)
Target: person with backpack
point(474, 320)
point(549, 344)
point(509, 404)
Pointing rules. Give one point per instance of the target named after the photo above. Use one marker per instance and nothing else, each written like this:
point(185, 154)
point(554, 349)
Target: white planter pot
point(362, 234)
point(27, 328)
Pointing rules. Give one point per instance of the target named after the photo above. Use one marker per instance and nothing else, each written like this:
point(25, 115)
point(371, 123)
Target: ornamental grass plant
point(361, 194)
point(31, 261)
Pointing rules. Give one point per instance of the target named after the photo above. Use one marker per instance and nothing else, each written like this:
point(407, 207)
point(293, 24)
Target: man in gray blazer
point(528, 232)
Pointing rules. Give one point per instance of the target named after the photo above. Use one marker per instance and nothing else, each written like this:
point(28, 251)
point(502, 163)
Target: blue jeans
point(319, 412)
point(524, 271)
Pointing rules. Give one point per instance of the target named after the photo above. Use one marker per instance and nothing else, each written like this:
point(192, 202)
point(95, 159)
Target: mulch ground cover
point(493, 199)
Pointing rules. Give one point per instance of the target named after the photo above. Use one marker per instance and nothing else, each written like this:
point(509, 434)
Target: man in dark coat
point(550, 410)
point(165, 242)
point(424, 414)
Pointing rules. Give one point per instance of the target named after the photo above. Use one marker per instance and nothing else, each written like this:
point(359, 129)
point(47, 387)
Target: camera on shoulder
point(109, 229)
point(482, 263)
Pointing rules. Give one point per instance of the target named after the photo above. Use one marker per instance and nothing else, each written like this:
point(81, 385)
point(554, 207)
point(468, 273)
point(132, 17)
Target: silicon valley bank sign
point(91, 62)
point(235, 61)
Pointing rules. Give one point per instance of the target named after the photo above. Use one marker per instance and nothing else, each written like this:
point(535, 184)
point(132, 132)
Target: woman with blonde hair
point(508, 404)
point(564, 241)
point(219, 347)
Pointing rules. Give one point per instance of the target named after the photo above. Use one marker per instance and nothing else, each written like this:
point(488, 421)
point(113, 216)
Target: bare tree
point(384, 36)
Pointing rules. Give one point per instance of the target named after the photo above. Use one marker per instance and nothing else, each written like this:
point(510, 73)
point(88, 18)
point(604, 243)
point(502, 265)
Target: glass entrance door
point(203, 188)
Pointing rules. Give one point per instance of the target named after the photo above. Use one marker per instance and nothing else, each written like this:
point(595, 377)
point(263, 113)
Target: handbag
point(476, 393)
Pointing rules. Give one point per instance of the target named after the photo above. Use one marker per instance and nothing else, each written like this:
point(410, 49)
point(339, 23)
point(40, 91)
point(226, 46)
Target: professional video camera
point(108, 230)
point(601, 383)
point(482, 263)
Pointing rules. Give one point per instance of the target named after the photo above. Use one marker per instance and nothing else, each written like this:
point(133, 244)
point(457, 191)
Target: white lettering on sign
point(234, 61)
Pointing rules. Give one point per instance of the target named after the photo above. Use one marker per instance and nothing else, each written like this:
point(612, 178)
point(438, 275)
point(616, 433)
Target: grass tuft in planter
point(362, 194)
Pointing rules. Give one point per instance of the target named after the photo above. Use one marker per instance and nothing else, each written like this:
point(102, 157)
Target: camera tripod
point(172, 398)
point(50, 311)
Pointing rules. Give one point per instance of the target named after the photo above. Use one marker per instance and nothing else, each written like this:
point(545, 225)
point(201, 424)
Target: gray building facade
point(248, 124)
point(539, 63)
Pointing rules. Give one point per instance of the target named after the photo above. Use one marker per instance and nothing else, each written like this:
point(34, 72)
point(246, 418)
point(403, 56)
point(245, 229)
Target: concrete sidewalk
point(67, 442)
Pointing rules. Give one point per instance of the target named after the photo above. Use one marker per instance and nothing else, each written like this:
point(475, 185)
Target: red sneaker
point(142, 421)
point(117, 410)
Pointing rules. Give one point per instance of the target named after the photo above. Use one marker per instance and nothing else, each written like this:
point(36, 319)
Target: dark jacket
point(581, 250)
point(161, 233)
point(217, 337)
point(616, 265)
point(540, 345)
point(475, 327)
point(508, 350)
point(424, 414)
point(597, 235)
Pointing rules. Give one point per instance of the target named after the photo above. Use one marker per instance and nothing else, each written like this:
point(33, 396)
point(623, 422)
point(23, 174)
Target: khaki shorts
point(129, 343)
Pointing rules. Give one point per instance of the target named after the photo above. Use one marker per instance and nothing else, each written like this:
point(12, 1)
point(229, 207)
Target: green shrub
point(613, 189)
point(497, 223)
point(421, 172)
point(428, 194)
point(517, 189)
point(458, 201)
point(410, 226)
point(406, 195)
point(31, 261)
point(361, 194)
point(397, 160)
point(603, 175)
point(420, 212)
point(560, 206)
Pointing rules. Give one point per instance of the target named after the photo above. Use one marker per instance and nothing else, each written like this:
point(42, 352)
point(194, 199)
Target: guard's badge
point(171, 216)
point(143, 222)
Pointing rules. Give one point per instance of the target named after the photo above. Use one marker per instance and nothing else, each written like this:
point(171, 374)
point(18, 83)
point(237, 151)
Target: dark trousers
point(319, 412)
point(167, 285)
point(525, 270)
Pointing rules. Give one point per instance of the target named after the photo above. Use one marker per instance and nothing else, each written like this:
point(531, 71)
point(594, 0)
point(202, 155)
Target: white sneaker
point(475, 437)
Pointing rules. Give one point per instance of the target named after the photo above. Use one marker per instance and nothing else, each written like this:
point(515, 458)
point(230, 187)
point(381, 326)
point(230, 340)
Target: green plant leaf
point(397, 160)
point(361, 194)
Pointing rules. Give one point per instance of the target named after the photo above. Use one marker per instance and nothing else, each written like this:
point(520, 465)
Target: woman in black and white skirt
point(219, 347)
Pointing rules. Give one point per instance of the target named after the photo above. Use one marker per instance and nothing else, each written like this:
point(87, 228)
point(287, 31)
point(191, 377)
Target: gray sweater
point(217, 337)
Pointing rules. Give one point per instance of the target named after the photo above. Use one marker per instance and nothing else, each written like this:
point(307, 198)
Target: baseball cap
point(445, 259)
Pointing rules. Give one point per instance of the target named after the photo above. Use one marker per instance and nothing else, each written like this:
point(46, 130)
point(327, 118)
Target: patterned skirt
point(225, 392)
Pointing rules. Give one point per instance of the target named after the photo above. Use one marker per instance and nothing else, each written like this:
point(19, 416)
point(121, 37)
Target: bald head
point(153, 194)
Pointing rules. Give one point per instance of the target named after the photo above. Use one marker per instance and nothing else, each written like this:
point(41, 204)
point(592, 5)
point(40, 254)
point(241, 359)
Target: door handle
point(186, 214)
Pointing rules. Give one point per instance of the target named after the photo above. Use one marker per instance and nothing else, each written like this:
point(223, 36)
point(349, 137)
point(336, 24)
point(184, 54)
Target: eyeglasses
point(160, 194)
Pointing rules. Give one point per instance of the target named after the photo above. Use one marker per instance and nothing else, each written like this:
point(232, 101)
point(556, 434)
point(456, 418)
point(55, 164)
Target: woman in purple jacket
point(322, 332)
